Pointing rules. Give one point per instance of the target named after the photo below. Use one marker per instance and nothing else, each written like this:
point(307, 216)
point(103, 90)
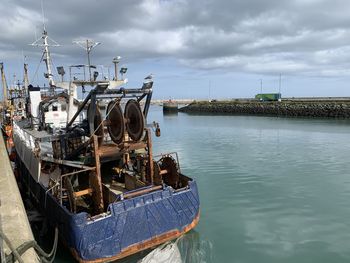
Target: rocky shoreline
point(319, 109)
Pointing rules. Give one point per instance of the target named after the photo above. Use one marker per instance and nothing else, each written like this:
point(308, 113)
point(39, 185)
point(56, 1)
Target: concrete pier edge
point(13, 218)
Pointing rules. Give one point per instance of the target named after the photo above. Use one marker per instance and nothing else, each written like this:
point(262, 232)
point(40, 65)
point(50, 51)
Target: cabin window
point(63, 107)
point(54, 107)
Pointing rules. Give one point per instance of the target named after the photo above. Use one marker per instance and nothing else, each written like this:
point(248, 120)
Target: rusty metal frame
point(150, 153)
point(68, 174)
point(101, 92)
point(67, 163)
point(140, 192)
point(98, 182)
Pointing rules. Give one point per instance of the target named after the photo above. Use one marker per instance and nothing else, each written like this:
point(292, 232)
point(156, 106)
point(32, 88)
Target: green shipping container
point(268, 96)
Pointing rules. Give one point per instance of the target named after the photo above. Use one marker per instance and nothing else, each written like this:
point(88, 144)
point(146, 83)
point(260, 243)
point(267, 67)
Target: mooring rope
point(20, 250)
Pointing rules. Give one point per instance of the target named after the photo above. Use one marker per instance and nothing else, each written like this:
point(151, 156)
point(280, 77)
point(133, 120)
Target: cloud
point(252, 36)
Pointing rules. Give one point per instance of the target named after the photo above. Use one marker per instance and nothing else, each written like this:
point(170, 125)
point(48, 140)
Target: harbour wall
point(292, 108)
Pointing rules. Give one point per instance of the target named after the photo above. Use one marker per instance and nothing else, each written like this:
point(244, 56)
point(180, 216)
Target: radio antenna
point(44, 42)
point(42, 14)
point(87, 45)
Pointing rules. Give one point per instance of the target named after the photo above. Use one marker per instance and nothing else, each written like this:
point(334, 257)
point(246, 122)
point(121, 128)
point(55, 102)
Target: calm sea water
point(271, 189)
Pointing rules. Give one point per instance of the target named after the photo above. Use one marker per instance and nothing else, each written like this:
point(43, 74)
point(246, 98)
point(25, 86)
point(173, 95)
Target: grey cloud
point(257, 36)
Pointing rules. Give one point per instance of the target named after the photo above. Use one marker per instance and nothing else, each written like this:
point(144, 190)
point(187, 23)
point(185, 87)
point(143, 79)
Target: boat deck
point(116, 188)
point(29, 135)
point(25, 124)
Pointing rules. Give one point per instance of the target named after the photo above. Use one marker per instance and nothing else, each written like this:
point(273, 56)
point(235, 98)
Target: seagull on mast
point(150, 76)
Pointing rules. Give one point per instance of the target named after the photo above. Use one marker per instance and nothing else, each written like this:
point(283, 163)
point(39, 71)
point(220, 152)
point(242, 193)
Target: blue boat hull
point(128, 227)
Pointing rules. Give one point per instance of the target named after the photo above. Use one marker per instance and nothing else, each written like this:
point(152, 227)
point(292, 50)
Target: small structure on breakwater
point(170, 106)
point(268, 96)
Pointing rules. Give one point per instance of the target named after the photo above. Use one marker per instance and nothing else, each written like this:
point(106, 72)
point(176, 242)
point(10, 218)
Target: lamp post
point(115, 61)
point(209, 90)
point(279, 88)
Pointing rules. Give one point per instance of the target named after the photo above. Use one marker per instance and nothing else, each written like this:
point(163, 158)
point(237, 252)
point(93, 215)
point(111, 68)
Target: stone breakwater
point(321, 109)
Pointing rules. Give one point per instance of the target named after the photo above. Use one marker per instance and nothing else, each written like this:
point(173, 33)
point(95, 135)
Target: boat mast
point(46, 52)
point(26, 79)
point(4, 83)
point(47, 59)
point(46, 56)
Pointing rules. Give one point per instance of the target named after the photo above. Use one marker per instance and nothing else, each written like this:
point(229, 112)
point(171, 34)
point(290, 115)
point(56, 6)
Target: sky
point(194, 48)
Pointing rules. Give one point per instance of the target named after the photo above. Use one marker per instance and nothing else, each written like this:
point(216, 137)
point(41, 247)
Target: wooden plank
point(113, 149)
point(83, 192)
point(95, 179)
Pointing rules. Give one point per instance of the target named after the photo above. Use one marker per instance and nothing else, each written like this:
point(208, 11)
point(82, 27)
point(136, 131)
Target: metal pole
point(279, 88)
point(4, 84)
point(116, 70)
point(88, 54)
point(115, 61)
point(209, 89)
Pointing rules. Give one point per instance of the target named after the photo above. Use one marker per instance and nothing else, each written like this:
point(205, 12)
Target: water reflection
point(194, 249)
point(189, 248)
point(271, 189)
point(170, 113)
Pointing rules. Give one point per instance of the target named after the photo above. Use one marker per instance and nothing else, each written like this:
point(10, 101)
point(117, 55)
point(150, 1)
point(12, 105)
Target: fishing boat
point(13, 104)
point(93, 173)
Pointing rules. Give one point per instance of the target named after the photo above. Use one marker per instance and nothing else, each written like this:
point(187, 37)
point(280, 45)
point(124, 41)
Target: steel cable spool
point(98, 123)
point(135, 121)
point(115, 119)
point(169, 170)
